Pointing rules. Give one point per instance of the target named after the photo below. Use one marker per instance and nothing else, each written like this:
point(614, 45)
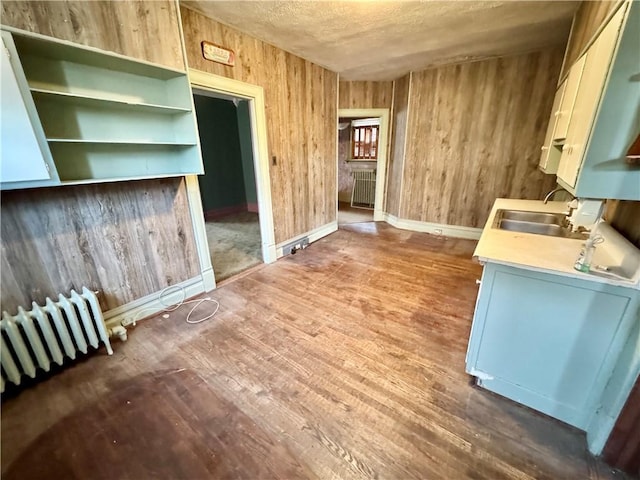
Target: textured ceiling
point(380, 40)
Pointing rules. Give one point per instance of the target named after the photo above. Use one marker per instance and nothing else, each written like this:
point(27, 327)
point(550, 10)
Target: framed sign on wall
point(216, 53)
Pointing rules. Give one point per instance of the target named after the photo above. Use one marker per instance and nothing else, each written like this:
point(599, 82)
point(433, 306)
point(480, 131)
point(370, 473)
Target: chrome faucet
point(552, 193)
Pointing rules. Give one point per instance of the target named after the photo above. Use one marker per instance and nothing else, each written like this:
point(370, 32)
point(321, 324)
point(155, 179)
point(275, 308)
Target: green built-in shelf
point(100, 116)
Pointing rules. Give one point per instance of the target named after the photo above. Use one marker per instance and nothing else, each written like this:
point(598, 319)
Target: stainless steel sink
point(537, 223)
point(535, 217)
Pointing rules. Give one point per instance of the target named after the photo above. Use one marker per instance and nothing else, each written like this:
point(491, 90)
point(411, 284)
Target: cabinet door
point(21, 157)
point(596, 69)
point(564, 113)
point(544, 342)
point(550, 154)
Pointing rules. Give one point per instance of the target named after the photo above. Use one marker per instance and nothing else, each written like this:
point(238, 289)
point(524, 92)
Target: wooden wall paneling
point(586, 23)
point(475, 132)
point(624, 216)
point(301, 110)
point(345, 179)
point(397, 144)
point(364, 94)
point(147, 30)
point(323, 131)
point(124, 239)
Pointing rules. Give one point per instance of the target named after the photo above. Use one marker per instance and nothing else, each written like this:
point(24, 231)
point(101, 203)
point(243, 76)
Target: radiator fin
point(52, 342)
point(36, 338)
point(61, 328)
point(9, 366)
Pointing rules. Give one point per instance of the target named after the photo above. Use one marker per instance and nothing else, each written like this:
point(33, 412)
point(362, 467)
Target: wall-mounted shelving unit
point(104, 117)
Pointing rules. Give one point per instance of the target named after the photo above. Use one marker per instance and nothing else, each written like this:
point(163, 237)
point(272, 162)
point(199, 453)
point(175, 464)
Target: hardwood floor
point(345, 360)
point(348, 214)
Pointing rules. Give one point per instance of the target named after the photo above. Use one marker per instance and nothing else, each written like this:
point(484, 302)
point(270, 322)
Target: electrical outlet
point(437, 231)
point(296, 245)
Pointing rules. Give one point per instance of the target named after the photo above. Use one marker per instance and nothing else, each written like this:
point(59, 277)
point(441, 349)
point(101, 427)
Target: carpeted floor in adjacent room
point(234, 244)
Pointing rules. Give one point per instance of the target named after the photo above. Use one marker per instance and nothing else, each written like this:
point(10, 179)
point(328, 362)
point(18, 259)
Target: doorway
point(228, 187)
point(362, 154)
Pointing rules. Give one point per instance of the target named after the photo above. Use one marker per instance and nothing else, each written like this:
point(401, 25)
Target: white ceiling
point(383, 40)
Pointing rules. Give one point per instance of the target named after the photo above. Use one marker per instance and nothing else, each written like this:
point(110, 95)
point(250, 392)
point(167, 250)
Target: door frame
point(381, 164)
point(254, 94)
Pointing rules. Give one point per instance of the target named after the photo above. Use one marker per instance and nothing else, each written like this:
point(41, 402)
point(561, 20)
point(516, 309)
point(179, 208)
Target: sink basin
point(535, 217)
point(537, 223)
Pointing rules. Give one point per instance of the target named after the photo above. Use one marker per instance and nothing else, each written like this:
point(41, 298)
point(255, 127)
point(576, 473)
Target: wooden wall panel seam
point(403, 163)
point(385, 202)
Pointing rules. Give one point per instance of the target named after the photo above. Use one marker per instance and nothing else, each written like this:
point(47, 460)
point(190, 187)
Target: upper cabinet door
point(21, 156)
point(550, 155)
point(563, 114)
point(596, 69)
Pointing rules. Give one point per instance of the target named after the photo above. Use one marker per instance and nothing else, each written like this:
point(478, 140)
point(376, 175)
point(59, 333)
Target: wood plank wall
point(475, 132)
point(624, 216)
point(126, 239)
point(148, 30)
point(587, 21)
point(397, 145)
point(301, 109)
point(365, 94)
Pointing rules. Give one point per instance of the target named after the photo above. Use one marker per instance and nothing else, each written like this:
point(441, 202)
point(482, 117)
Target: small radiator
point(43, 335)
point(364, 188)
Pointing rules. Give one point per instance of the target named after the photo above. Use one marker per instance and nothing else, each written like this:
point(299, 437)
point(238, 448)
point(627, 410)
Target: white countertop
point(547, 254)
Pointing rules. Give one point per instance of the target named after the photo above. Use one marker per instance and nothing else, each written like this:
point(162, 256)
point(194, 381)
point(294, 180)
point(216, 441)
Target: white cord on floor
point(170, 308)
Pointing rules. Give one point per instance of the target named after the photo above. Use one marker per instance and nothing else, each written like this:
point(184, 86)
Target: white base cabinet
point(547, 341)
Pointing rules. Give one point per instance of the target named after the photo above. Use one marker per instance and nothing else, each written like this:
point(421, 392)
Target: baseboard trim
point(150, 304)
point(208, 280)
point(315, 234)
point(437, 229)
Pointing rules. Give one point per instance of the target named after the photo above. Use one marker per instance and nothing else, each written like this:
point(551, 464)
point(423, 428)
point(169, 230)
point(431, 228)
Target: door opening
point(362, 155)
point(228, 186)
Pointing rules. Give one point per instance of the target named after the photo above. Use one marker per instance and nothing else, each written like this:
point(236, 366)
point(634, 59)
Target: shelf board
point(60, 50)
point(89, 181)
point(119, 142)
point(102, 102)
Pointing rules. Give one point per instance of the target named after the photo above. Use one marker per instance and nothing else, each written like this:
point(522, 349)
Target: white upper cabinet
point(550, 156)
point(564, 113)
point(604, 120)
point(22, 157)
point(597, 61)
